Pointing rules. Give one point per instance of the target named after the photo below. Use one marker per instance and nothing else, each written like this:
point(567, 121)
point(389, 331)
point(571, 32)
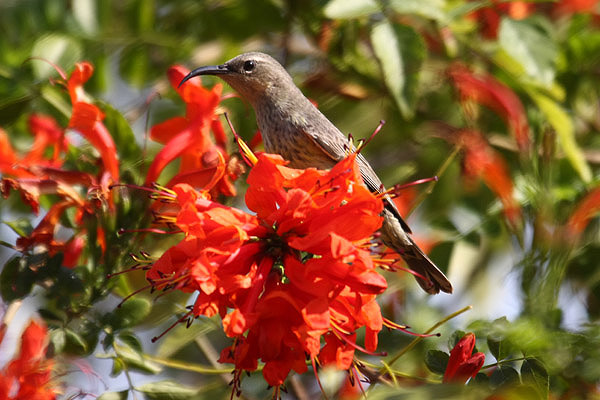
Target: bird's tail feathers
point(428, 276)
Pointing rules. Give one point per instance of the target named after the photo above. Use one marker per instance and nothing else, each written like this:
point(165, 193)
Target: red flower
point(463, 364)
point(202, 161)
point(587, 208)
point(46, 133)
point(38, 176)
point(488, 18)
point(482, 161)
point(281, 279)
point(566, 7)
point(28, 377)
point(486, 90)
point(87, 120)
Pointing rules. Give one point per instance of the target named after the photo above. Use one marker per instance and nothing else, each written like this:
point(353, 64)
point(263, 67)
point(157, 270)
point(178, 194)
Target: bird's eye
point(249, 65)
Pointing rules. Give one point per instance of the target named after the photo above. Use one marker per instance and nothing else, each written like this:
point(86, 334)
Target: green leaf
point(562, 124)
point(145, 10)
point(55, 48)
point(131, 340)
point(504, 375)
point(460, 10)
point(347, 9)
point(58, 339)
point(84, 12)
point(21, 227)
point(122, 395)
point(531, 47)
point(534, 373)
point(432, 9)
point(53, 96)
point(130, 313)
point(135, 65)
point(500, 348)
point(74, 343)
point(166, 390)
point(16, 280)
point(13, 105)
point(121, 132)
point(117, 367)
point(400, 52)
point(437, 361)
point(455, 338)
point(135, 360)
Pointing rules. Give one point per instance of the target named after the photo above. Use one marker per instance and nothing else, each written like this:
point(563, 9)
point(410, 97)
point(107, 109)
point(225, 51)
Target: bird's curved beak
point(208, 70)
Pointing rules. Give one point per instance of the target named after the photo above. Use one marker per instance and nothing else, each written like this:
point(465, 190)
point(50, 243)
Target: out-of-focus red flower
point(482, 161)
point(463, 364)
point(281, 279)
point(350, 390)
point(34, 174)
point(86, 119)
point(28, 376)
point(567, 7)
point(486, 90)
point(44, 233)
point(488, 18)
point(32, 188)
point(47, 134)
point(587, 208)
point(190, 139)
point(8, 158)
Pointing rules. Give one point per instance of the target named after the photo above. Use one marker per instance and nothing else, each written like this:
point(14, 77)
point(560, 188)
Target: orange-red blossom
point(189, 138)
point(28, 375)
point(463, 364)
point(296, 271)
point(33, 175)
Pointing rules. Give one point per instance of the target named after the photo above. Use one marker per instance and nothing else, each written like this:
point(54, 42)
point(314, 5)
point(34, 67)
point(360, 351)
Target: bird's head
point(254, 75)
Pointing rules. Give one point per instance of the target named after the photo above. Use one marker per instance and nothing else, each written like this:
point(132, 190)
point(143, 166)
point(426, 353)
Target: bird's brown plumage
point(292, 127)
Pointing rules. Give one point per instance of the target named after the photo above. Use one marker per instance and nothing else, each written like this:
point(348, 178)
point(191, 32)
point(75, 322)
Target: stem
point(504, 362)
point(431, 185)
point(418, 339)
point(298, 388)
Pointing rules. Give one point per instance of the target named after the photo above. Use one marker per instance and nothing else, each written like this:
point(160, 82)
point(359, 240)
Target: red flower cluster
point(298, 270)
point(46, 133)
point(189, 138)
point(463, 364)
point(33, 175)
point(27, 377)
point(488, 18)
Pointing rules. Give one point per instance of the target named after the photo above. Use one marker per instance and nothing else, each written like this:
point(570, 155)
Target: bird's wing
point(335, 146)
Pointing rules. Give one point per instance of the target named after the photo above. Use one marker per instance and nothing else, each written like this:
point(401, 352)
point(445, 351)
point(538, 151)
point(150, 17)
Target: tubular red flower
point(28, 375)
point(482, 161)
point(87, 120)
point(462, 364)
point(46, 133)
point(486, 90)
point(190, 139)
point(586, 209)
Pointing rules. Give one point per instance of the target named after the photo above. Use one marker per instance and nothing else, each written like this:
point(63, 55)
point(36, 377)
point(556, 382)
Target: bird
point(294, 128)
